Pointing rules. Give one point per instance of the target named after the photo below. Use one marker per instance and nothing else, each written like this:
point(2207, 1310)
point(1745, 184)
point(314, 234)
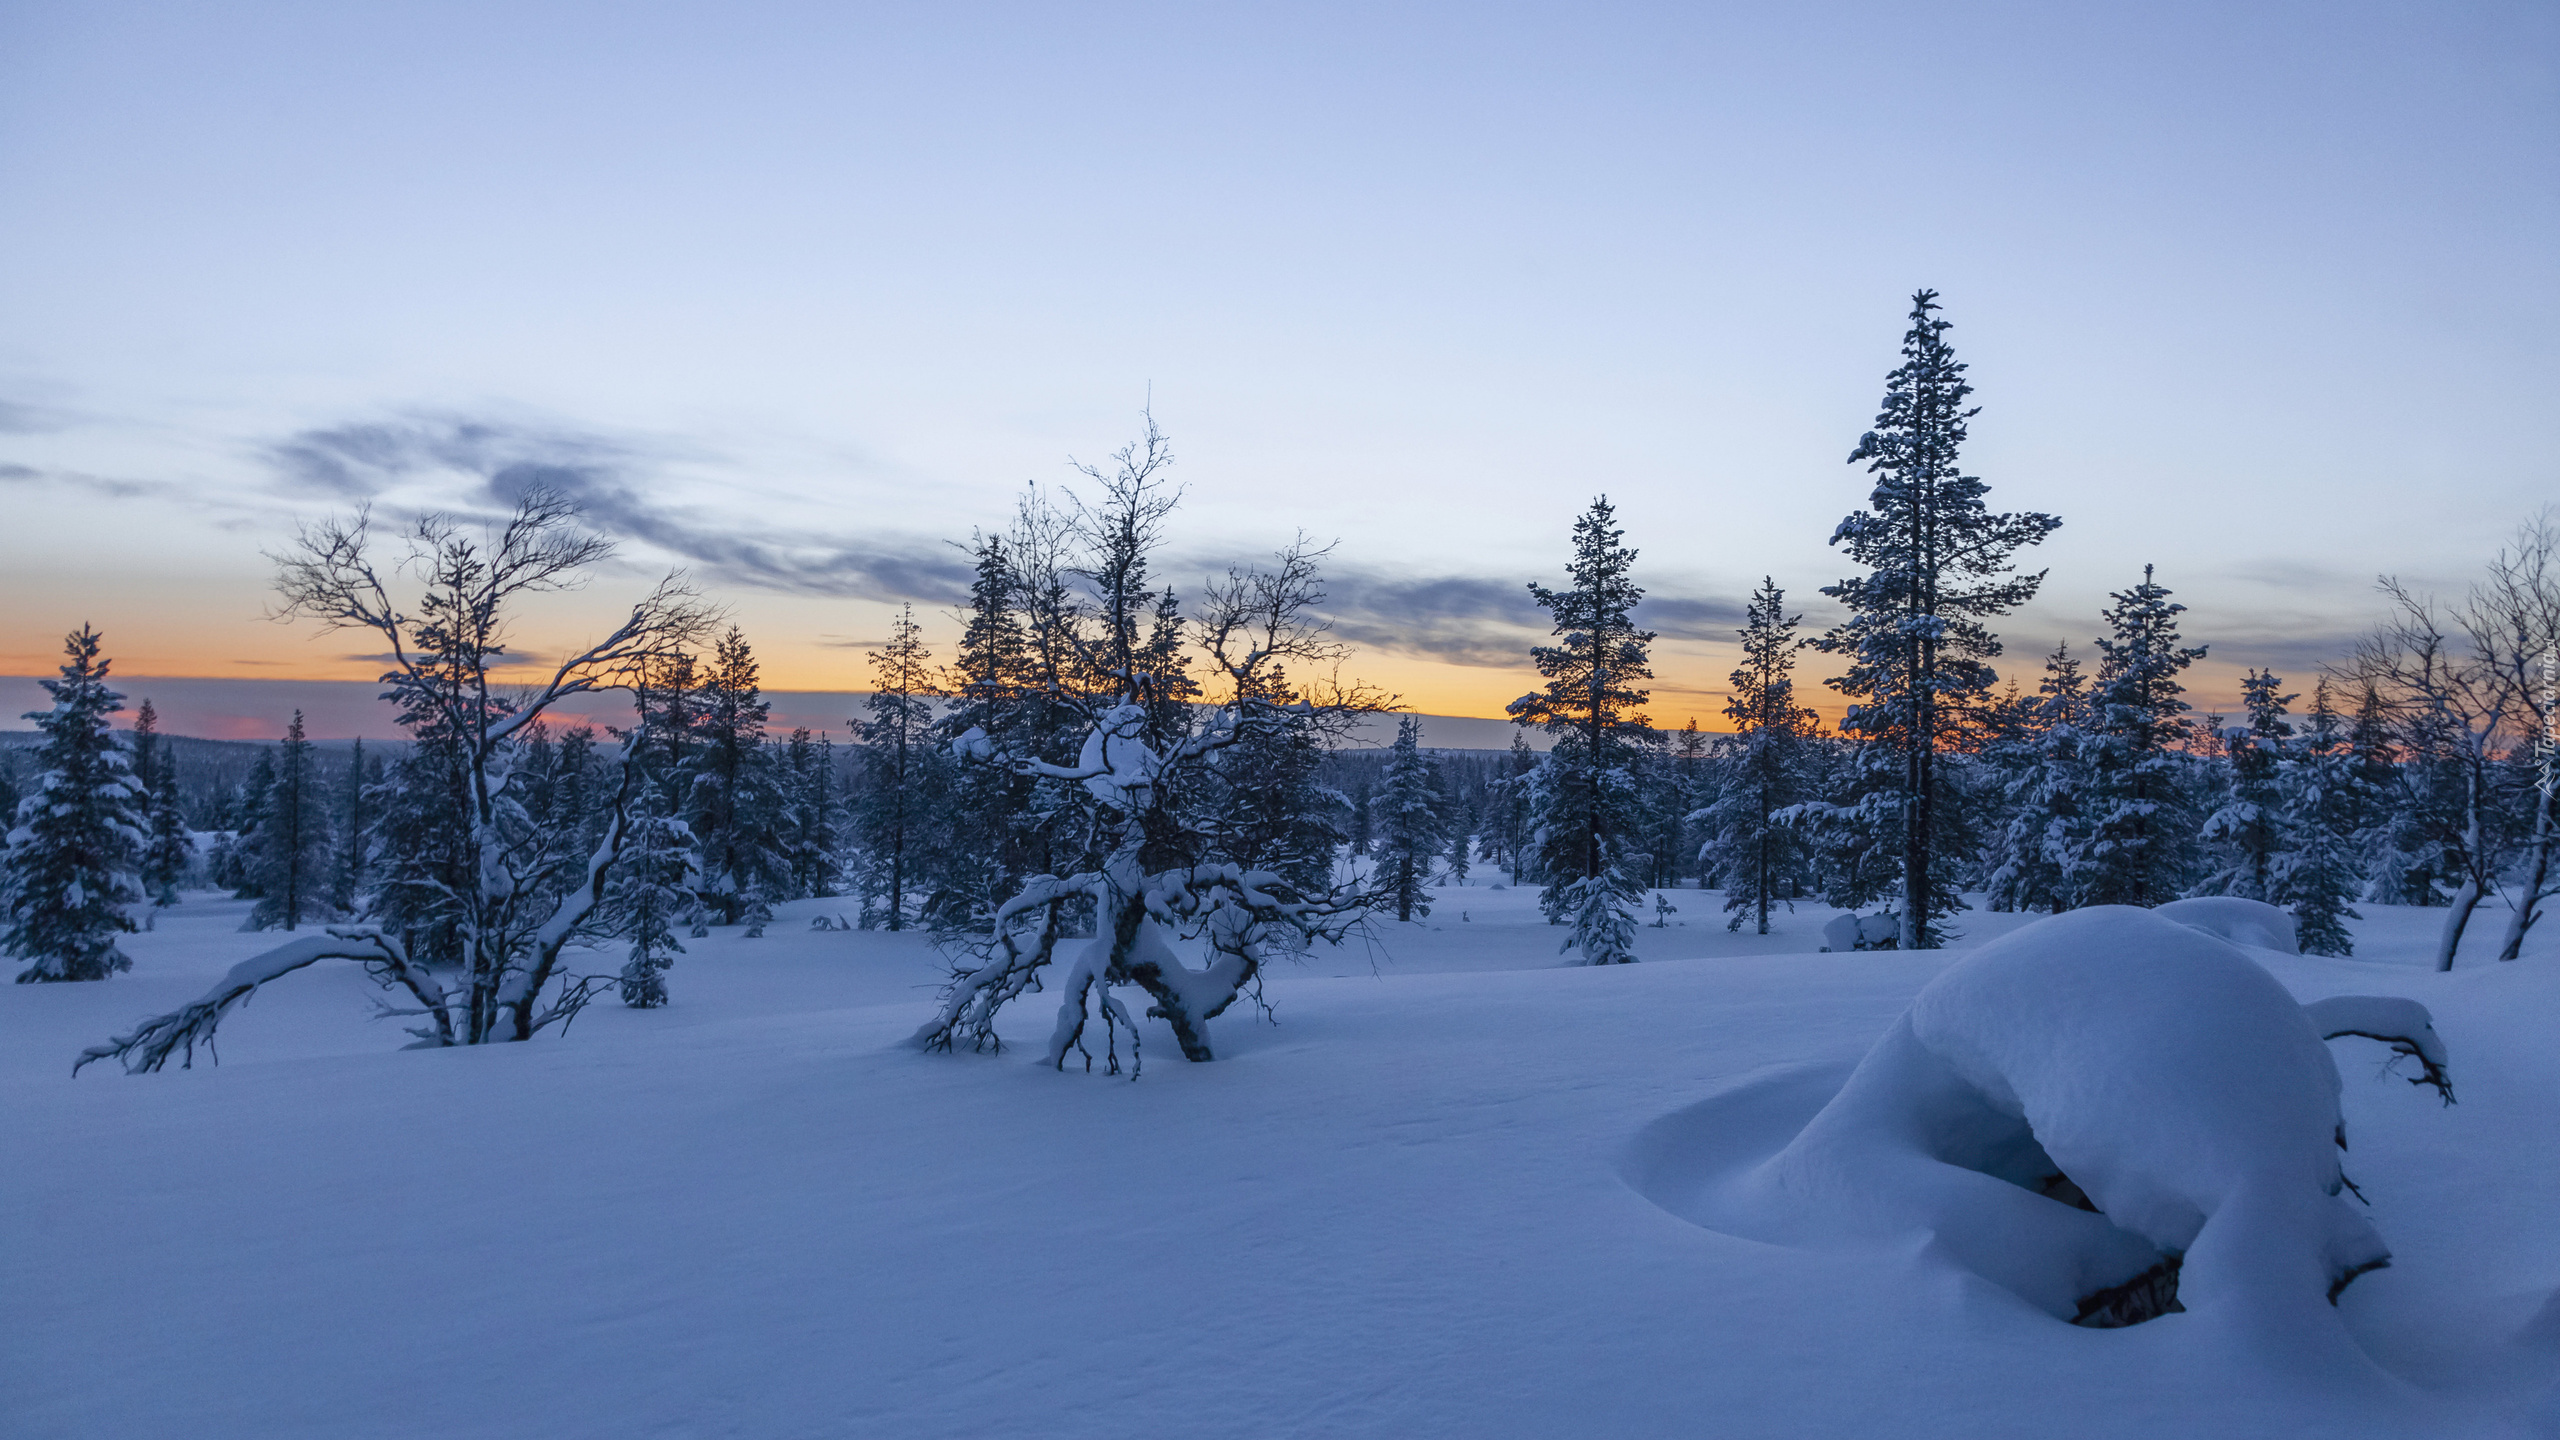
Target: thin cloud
point(22, 419)
point(610, 479)
point(107, 485)
point(1679, 619)
point(360, 461)
point(1454, 619)
point(1486, 622)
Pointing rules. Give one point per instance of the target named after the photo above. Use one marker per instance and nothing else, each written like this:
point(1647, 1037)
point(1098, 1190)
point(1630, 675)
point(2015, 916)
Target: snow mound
point(1861, 932)
point(2242, 922)
point(2112, 1113)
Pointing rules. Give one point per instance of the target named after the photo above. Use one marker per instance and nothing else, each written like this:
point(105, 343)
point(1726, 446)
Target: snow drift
point(2111, 1113)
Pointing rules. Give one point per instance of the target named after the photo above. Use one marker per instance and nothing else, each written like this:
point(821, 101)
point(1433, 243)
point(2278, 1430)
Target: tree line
point(1119, 787)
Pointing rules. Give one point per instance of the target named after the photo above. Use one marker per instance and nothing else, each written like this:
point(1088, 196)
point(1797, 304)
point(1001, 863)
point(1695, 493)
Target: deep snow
point(1419, 1205)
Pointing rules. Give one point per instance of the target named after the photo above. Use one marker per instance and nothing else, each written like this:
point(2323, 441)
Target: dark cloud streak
point(607, 478)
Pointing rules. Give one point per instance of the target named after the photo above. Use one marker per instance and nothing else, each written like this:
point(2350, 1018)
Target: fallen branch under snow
point(148, 1047)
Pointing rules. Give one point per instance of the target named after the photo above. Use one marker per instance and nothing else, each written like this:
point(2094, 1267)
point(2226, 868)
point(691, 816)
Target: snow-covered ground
point(1417, 1206)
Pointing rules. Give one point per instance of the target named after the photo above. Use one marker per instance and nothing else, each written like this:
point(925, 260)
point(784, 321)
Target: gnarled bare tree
point(527, 894)
point(1237, 912)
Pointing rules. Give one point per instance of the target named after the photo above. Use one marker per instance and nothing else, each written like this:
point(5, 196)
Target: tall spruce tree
point(732, 805)
point(2250, 825)
point(351, 873)
point(1588, 808)
point(171, 849)
point(1750, 853)
point(2324, 798)
point(71, 860)
point(2138, 846)
point(1411, 827)
point(290, 860)
point(1939, 564)
point(146, 761)
point(991, 828)
point(899, 768)
point(166, 850)
point(1509, 829)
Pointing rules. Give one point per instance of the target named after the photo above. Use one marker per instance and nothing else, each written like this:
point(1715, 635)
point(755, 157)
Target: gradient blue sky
point(2266, 294)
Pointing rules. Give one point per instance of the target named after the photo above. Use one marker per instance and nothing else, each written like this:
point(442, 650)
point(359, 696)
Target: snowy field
point(1430, 1201)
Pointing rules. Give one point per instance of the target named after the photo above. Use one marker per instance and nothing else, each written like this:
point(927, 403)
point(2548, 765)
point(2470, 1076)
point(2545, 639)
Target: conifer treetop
point(1591, 675)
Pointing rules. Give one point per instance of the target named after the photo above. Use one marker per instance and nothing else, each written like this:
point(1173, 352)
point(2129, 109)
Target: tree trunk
point(2537, 879)
point(2466, 899)
point(1764, 876)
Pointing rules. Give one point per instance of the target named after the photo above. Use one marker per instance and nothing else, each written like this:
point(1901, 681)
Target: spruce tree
point(1510, 827)
point(1750, 852)
point(350, 873)
point(1264, 808)
point(1411, 828)
point(2048, 797)
point(1461, 811)
point(649, 895)
point(2323, 798)
point(992, 830)
point(71, 860)
point(732, 804)
point(290, 861)
point(171, 848)
point(898, 772)
point(1759, 860)
point(146, 762)
point(155, 768)
point(1588, 809)
point(238, 868)
point(2250, 825)
point(1939, 564)
point(2138, 844)
point(811, 812)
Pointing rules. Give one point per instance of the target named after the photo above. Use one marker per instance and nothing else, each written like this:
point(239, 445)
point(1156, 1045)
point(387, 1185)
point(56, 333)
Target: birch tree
point(443, 610)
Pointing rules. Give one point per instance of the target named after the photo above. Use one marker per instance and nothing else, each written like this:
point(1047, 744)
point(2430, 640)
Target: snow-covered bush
point(2111, 1113)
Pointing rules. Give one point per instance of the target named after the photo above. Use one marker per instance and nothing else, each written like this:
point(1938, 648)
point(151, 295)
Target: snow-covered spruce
point(1412, 831)
point(1938, 567)
point(2112, 1114)
point(72, 860)
point(1586, 808)
point(1754, 858)
point(2136, 845)
point(648, 891)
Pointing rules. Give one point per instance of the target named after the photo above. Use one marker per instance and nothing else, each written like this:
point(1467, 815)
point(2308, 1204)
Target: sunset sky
point(796, 295)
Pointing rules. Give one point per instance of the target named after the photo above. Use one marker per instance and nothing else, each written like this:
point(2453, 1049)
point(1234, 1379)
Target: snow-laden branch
point(2404, 1025)
point(149, 1045)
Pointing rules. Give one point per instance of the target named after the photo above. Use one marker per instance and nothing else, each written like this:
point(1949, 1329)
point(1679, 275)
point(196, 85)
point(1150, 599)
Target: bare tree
point(2469, 687)
point(529, 894)
point(2512, 620)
